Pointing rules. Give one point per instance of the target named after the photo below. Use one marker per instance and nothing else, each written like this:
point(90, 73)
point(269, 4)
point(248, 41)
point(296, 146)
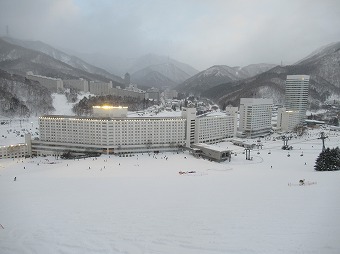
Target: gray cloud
point(200, 33)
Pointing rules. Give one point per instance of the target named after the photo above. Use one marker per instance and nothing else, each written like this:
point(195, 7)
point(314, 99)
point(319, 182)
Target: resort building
point(255, 117)
point(14, 151)
point(127, 93)
point(53, 84)
point(111, 131)
point(94, 87)
point(287, 120)
point(153, 94)
point(170, 94)
point(210, 152)
point(78, 84)
point(297, 87)
point(214, 128)
point(109, 135)
point(100, 88)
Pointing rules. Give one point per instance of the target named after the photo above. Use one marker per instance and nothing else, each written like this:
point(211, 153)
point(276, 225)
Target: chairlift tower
point(247, 150)
point(285, 141)
point(323, 137)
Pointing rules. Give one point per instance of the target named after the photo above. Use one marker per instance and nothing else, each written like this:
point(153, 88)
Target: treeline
point(84, 106)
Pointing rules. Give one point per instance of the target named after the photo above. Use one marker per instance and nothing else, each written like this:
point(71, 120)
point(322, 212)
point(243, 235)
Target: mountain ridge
point(20, 60)
point(219, 74)
point(63, 57)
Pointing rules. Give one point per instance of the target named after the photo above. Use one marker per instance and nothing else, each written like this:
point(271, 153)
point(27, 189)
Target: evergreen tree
point(328, 160)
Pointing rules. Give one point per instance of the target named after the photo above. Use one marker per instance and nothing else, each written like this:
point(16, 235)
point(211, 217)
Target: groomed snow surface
point(141, 204)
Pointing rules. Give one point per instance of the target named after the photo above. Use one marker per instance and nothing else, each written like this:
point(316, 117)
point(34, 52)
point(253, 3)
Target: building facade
point(100, 88)
point(109, 135)
point(255, 117)
point(210, 152)
point(14, 151)
point(53, 84)
point(153, 94)
point(170, 94)
point(297, 88)
point(94, 87)
point(115, 133)
point(127, 93)
point(79, 84)
point(213, 129)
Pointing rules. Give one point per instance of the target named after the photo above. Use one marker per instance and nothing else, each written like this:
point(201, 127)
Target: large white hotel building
point(111, 131)
point(255, 117)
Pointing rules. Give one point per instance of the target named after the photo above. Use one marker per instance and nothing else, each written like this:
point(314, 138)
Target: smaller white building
point(287, 120)
point(211, 128)
point(214, 128)
point(14, 151)
point(210, 152)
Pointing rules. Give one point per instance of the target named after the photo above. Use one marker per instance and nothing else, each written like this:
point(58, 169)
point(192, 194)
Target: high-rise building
point(127, 79)
point(255, 117)
point(297, 87)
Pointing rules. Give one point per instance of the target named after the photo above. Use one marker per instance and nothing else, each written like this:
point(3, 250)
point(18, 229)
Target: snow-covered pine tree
point(328, 160)
point(321, 163)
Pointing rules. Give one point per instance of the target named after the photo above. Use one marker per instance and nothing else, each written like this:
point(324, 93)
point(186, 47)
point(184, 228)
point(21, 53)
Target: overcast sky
point(201, 33)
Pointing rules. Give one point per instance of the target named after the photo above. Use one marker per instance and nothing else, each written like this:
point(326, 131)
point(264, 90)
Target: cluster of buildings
point(256, 113)
point(95, 87)
point(111, 131)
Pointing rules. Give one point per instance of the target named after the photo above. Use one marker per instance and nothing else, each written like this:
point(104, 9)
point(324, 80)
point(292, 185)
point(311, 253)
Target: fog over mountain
point(159, 71)
point(199, 33)
point(20, 60)
point(219, 74)
point(63, 57)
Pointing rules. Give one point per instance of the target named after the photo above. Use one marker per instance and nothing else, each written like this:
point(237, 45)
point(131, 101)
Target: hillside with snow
point(159, 71)
point(19, 60)
point(63, 57)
